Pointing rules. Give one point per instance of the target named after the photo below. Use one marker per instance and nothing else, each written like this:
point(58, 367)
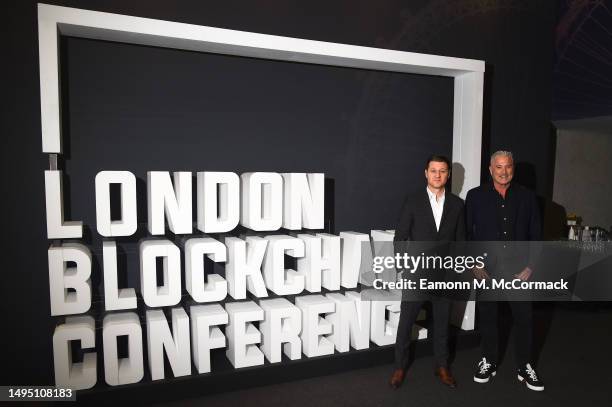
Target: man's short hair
point(438, 159)
point(501, 153)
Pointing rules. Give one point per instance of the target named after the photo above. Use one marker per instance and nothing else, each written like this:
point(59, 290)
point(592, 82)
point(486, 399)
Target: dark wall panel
point(140, 109)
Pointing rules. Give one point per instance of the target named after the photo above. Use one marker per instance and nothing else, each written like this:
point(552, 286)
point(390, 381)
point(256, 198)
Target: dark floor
point(574, 362)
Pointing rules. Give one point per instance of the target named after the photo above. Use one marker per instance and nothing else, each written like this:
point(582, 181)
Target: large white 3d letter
point(62, 278)
point(164, 199)
point(262, 201)
point(129, 222)
point(384, 331)
point(356, 257)
point(243, 269)
point(278, 279)
point(304, 201)
point(281, 326)
point(216, 288)
point(170, 293)
point(175, 344)
point(222, 188)
point(204, 333)
point(382, 242)
point(131, 368)
point(315, 329)
point(80, 375)
point(114, 298)
point(57, 228)
point(351, 321)
point(242, 334)
point(320, 265)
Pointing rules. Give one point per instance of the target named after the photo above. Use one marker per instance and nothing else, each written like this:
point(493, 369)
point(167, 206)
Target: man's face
point(437, 174)
point(502, 170)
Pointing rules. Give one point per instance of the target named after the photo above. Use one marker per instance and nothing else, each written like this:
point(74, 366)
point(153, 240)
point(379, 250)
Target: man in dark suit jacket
point(503, 211)
point(431, 214)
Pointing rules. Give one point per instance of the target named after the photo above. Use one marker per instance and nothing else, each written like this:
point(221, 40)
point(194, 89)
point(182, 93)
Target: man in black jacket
point(431, 214)
point(503, 211)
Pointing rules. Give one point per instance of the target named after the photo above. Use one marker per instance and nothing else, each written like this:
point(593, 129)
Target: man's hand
point(480, 273)
point(524, 275)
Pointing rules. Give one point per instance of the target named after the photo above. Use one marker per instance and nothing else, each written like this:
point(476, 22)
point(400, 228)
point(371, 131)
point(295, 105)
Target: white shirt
point(437, 206)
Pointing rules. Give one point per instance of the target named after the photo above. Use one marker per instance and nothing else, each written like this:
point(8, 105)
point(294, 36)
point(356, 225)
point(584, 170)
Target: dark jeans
point(522, 315)
point(408, 315)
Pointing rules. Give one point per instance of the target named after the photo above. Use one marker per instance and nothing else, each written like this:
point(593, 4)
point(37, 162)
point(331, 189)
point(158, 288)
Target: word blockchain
point(260, 325)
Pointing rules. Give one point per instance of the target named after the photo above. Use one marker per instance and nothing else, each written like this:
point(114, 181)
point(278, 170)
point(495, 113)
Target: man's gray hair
point(501, 153)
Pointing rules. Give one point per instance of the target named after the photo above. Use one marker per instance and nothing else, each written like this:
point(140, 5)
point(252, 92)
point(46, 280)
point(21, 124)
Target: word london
point(313, 325)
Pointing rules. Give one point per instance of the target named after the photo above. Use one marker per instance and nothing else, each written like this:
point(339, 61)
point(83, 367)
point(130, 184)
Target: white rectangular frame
point(54, 21)
point(468, 74)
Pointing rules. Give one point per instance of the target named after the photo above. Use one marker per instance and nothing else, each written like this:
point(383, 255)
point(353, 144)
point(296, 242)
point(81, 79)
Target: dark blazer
point(416, 234)
point(417, 220)
point(482, 217)
point(483, 224)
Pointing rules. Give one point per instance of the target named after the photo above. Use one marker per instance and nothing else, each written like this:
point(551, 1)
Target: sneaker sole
point(530, 386)
point(479, 380)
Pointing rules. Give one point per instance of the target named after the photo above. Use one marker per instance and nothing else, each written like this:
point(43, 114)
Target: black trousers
point(522, 314)
point(408, 315)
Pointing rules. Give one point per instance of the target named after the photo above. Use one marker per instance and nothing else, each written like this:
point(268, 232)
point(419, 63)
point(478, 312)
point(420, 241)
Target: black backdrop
point(171, 110)
point(141, 108)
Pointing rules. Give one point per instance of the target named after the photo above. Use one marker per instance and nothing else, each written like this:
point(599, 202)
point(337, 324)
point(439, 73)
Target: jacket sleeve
point(404, 226)
point(403, 231)
point(469, 216)
point(460, 228)
point(472, 247)
point(535, 232)
point(535, 222)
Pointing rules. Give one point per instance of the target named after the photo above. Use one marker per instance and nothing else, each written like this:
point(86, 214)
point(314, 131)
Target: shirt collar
point(432, 196)
point(492, 188)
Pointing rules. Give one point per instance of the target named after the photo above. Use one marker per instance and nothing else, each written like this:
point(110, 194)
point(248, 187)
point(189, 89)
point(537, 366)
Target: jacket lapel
point(430, 218)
